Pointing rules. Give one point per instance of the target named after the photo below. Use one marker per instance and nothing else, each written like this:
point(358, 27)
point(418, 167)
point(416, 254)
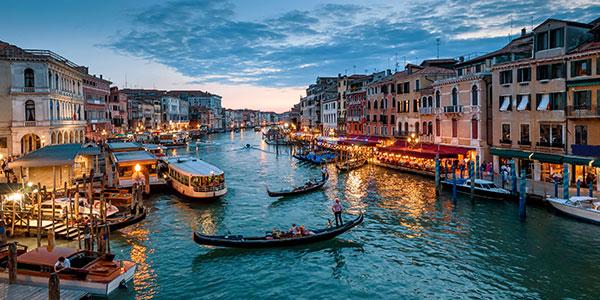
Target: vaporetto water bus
point(195, 178)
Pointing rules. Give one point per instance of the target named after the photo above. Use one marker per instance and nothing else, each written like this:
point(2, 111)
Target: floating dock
point(29, 292)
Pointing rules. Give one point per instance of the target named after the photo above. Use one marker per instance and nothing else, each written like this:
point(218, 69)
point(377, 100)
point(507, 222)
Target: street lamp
point(137, 167)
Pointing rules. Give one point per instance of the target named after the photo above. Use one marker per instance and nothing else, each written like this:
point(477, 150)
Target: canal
point(411, 245)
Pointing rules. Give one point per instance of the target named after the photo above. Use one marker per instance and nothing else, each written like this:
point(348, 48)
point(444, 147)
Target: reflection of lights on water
point(144, 278)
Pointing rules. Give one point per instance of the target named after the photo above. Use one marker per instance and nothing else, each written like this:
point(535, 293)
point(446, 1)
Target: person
point(305, 232)
point(62, 263)
point(329, 224)
point(298, 231)
point(292, 230)
point(324, 173)
point(337, 212)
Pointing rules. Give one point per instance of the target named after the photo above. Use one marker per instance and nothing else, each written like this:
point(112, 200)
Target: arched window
point(382, 104)
point(29, 110)
point(405, 127)
point(437, 99)
point(375, 104)
point(394, 102)
point(56, 81)
point(425, 128)
point(51, 109)
point(430, 128)
point(424, 102)
point(53, 138)
point(368, 104)
point(474, 96)
point(59, 139)
point(29, 78)
point(430, 101)
point(417, 128)
point(454, 97)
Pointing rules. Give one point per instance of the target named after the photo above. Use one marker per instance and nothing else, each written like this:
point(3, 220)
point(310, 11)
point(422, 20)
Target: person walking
point(337, 212)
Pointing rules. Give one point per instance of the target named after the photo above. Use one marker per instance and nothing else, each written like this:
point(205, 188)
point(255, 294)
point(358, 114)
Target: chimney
point(389, 72)
point(100, 76)
point(461, 59)
point(523, 31)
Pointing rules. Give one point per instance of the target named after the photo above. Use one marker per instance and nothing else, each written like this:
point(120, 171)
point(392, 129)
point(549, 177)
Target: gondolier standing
point(337, 212)
point(324, 173)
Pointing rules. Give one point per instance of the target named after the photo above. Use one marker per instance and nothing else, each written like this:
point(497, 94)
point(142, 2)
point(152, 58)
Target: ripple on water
point(410, 246)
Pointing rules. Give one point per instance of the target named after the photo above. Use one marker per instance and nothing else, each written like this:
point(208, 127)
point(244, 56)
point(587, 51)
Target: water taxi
point(580, 207)
point(96, 273)
point(195, 178)
point(481, 188)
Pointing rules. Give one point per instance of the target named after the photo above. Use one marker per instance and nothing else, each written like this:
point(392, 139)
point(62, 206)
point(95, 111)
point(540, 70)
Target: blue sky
point(262, 54)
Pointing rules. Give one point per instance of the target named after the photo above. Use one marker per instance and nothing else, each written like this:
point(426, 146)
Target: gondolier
point(337, 212)
point(324, 173)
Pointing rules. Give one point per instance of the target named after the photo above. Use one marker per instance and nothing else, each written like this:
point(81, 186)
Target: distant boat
point(482, 188)
point(195, 178)
point(580, 207)
point(299, 190)
point(352, 164)
point(269, 241)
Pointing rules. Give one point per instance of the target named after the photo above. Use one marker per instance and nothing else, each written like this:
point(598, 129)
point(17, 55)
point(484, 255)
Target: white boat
point(196, 178)
point(96, 273)
point(481, 188)
point(581, 207)
point(62, 205)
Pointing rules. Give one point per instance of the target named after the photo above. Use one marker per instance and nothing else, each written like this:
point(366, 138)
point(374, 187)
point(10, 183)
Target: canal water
point(411, 245)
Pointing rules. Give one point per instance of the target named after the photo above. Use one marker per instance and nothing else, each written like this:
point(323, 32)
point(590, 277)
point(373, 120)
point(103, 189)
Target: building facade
point(174, 112)
point(117, 108)
point(42, 96)
point(96, 92)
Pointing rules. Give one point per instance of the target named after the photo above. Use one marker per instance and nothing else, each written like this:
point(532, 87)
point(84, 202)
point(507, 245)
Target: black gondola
point(239, 241)
point(298, 190)
point(351, 165)
point(120, 222)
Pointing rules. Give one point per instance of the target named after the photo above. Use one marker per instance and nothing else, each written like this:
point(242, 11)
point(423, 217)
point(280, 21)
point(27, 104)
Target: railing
point(203, 189)
point(426, 110)
point(453, 109)
point(584, 111)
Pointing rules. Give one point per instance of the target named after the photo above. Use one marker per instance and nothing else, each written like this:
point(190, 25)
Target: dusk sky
point(263, 54)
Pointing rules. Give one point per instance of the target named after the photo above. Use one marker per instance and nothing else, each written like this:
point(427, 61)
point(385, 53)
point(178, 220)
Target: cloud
point(206, 40)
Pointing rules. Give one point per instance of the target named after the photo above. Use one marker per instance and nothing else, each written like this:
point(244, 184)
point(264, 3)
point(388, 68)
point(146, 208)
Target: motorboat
point(482, 188)
point(195, 178)
point(581, 207)
point(96, 273)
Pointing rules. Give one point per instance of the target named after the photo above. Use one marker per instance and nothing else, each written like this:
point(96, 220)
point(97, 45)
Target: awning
point(54, 155)
point(548, 158)
point(578, 160)
point(426, 150)
point(512, 153)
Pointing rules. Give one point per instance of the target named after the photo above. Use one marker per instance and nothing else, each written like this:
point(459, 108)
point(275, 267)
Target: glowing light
point(30, 184)
point(15, 197)
point(137, 167)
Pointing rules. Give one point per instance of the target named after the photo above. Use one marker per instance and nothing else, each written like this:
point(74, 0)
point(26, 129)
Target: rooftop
point(54, 155)
point(193, 166)
point(133, 156)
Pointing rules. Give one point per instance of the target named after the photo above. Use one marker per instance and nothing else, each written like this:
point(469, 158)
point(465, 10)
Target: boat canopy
point(134, 157)
point(193, 166)
point(127, 146)
point(45, 256)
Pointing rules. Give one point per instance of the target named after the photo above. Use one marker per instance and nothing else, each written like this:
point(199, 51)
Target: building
point(144, 108)
point(356, 100)
point(175, 112)
point(529, 100)
point(325, 88)
point(379, 118)
point(96, 91)
point(42, 96)
point(202, 99)
point(117, 108)
point(329, 116)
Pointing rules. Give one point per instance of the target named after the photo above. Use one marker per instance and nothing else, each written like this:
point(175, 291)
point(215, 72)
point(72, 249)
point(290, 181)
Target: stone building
point(380, 119)
point(325, 88)
point(117, 108)
point(96, 91)
point(42, 98)
point(356, 103)
point(144, 108)
point(175, 112)
point(197, 98)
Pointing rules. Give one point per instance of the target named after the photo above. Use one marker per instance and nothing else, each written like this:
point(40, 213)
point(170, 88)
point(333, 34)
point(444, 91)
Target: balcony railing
point(453, 109)
point(426, 110)
point(583, 111)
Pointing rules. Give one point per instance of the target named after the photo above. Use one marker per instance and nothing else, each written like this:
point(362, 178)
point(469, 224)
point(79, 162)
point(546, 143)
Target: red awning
point(360, 140)
point(425, 150)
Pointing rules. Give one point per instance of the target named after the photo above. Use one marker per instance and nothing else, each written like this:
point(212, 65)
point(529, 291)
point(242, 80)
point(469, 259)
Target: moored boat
point(482, 188)
point(581, 207)
point(350, 165)
point(268, 241)
point(196, 178)
point(96, 273)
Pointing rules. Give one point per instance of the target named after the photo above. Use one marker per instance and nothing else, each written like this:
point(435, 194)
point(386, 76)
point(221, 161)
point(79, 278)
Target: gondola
point(267, 241)
point(120, 222)
point(298, 190)
point(351, 165)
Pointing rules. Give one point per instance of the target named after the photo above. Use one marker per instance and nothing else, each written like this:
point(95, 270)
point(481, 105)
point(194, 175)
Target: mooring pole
point(54, 287)
point(12, 262)
point(566, 181)
point(454, 183)
point(437, 175)
point(578, 187)
point(472, 179)
point(555, 188)
point(522, 196)
point(513, 174)
point(477, 168)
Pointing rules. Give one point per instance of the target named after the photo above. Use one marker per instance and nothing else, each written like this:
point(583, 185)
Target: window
point(424, 102)
point(405, 127)
point(3, 142)
point(425, 128)
point(478, 68)
point(399, 88)
point(523, 102)
point(506, 133)
point(393, 88)
point(430, 128)
point(541, 41)
point(582, 99)
point(598, 66)
point(551, 135)
point(551, 71)
point(581, 68)
point(474, 129)
point(430, 101)
point(557, 71)
point(454, 97)
point(506, 77)
point(460, 72)
point(407, 87)
point(417, 128)
point(437, 99)
point(525, 135)
point(29, 78)
point(437, 127)
point(524, 75)
point(553, 101)
point(454, 128)
point(505, 103)
point(417, 85)
point(368, 104)
point(375, 104)
point(29, 110)
point(556, 38)
point(474, 95)
point(415, 105)
point(581, 135)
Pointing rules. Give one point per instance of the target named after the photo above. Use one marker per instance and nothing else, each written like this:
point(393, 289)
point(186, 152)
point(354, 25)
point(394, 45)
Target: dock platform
point(29, 292)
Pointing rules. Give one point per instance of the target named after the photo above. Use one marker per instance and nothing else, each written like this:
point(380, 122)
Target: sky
point(262, 54)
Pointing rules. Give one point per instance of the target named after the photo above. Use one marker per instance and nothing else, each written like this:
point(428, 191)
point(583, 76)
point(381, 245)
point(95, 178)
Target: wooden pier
point(21, 291)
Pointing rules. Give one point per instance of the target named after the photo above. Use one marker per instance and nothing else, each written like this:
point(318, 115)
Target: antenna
point(437, 44)
point(396, 61)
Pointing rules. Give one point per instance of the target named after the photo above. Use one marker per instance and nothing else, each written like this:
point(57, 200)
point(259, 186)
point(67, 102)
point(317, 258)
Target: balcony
point(453, 109)
point(583, 112)
point(426, 110)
